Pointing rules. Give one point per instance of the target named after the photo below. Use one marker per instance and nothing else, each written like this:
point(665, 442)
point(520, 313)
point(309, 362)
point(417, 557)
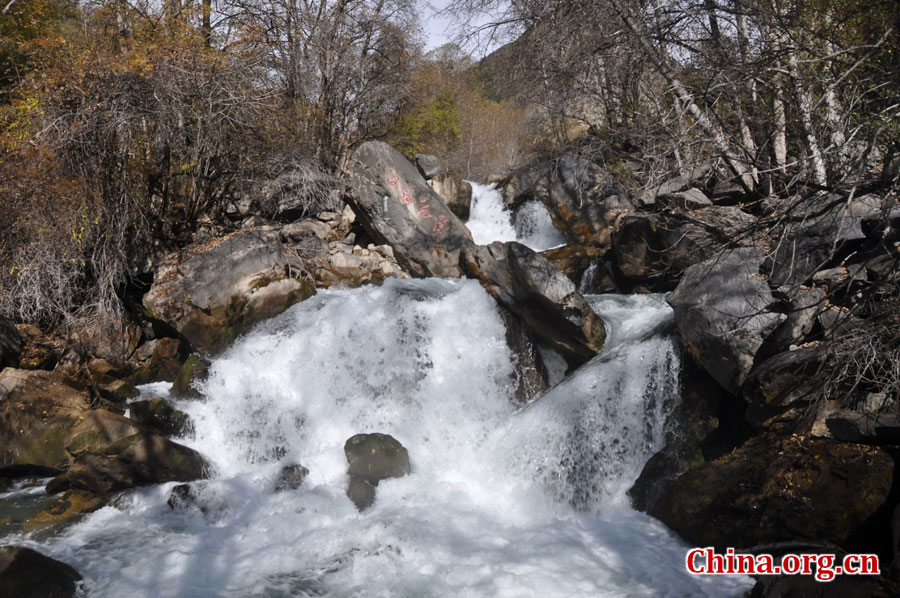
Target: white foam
point(499, 503)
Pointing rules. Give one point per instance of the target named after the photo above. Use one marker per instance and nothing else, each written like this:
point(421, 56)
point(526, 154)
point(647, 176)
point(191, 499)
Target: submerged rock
point(209, 293)
point(529, 286)
point(396, 207)
point(291, 477)
point(372, 458)
point(66, 509)
point(25, 573)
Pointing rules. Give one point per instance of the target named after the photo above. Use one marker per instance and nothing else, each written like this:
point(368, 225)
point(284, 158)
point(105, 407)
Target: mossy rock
point(67, 509)
point(375, 457)
point(194, 370)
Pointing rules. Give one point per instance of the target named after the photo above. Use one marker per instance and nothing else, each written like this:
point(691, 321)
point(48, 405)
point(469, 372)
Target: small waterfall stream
point(500, 503)
point(490, 221)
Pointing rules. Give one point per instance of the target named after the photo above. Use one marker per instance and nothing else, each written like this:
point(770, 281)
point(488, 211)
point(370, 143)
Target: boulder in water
point(396, 207)
point(66, 509)
point(529, 286)
point(376, 457)
point(208, 293)
point(195, 370)
point(291, 477)
point(372, 458)
point(25, 573)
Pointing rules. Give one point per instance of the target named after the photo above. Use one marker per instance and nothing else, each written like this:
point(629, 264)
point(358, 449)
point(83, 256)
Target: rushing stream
point(499, 503)
point(490, 221)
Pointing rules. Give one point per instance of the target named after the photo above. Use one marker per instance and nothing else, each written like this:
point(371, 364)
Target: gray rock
point(429, 166)
point(803, 304)
point(722, 310)
point(455, 192)
point(194, 371)
point(376, 457)
point(11, 344)
point(529, 286)
point(673, 185)
point(291, 477)
point(360, 492)
point(785, 380)
point(692, 199)
point(869, 428)
point(208, 294)
point(25, 573)
point(397, 207)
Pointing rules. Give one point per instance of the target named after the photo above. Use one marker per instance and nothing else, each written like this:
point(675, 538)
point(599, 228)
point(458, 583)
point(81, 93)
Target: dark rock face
point(786, 380)
point(397, 207)
point(25, 573)
point(291, 477)
point(210, 293)
point(372, 458)
point(723, 315)
point(11, 344)
point(158, 413)
point(529, 286)
point(455, 192)
point(656, 249)
point(776, 489)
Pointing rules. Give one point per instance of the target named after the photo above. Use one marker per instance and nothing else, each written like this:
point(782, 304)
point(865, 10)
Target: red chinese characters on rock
point(407, 197)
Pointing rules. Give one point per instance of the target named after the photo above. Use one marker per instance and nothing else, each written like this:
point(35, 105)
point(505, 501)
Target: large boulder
point(396, 207)
point(112, 452)
point(38, 412)
point(722, 310)
point(775, 489)
point(528, 285)
point(11, 344)
point(109, 337)
point(25, 573)
point(208, 293)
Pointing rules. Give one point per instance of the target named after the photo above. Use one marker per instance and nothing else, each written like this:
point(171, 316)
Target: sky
point(436, 29)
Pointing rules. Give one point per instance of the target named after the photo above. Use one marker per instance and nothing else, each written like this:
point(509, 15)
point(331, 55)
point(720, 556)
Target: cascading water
point(499, 502)
point(490, 221)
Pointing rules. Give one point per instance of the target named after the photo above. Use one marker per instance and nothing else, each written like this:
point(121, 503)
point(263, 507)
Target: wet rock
point(25, 573)
point(184, 498)
point(376, 457)
point(429, 166)
point(39, 411)
point(722, 310)
point(290, 477)
point(571, 260)
point(531, 378)
point(68, 508)
point(529, 286)
point(194, 371)
point(118, 391)
point(396, 207)
point(158, 413)
point(360, 492)
point(778, 488)
point(209, 293)
point(455, 192)
point(11, 344)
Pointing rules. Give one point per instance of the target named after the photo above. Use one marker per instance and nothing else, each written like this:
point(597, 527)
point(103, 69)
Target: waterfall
point(500, 502)
point(490, 221)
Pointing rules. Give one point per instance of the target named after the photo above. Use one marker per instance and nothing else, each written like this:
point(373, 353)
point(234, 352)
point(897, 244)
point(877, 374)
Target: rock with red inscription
point(397, 207)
